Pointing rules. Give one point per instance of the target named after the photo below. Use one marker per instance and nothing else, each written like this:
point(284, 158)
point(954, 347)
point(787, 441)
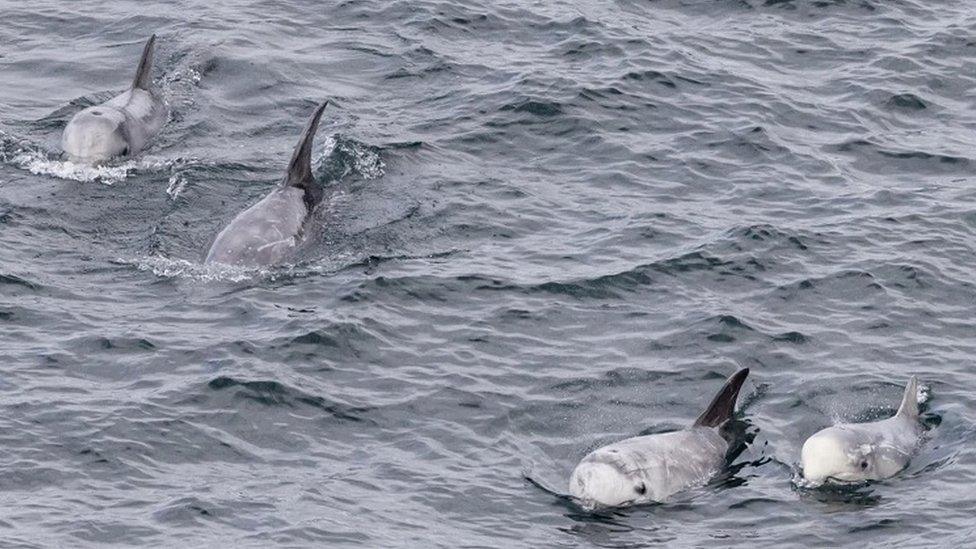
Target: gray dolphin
point(122, 125)
point(857, 452)
point(268, 232)
point(652, 468)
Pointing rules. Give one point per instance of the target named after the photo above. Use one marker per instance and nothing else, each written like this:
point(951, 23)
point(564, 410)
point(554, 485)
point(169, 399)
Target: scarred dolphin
point(652, 468)
point(121, 126)
point(268, 232)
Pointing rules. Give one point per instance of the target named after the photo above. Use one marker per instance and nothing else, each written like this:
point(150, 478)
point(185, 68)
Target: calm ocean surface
point(548, 226)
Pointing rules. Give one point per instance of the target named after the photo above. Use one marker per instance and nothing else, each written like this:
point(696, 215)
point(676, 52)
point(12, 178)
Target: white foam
point(39, 164)
point(368, 163)
point(328, 146)
point(801, 481)
point(176, 184)
point(365, 160)
point(924, 393)
point(188, 74)
point(181, 268)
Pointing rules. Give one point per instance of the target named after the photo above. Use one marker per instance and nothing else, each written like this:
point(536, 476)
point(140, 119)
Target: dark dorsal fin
point(300, 168)
point(143, 79)
point(722, 406)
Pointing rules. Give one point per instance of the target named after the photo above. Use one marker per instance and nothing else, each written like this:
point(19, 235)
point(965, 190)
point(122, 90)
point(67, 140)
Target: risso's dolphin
point(654, 467)
point(122, 125)
point(268, 232)
point(857, 452)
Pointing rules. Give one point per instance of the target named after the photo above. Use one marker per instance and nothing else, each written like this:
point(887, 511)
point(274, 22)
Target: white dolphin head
point(839, 454)
point(864, 451)
point(95, 134)
point(602, 484)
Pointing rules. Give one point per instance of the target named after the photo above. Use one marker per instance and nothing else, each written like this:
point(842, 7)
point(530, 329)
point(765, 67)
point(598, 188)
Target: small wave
point(184, 510)
point(902, 157)
point(275, 393)
point(908, 101)
point(14, 280)
point(541, 107)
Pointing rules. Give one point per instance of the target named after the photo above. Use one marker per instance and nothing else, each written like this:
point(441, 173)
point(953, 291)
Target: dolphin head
point(839, 454)
point(603, 484)
point(95, 134)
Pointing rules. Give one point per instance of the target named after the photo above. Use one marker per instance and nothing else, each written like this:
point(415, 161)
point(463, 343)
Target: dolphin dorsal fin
point(300, 168)
point(721, 408)
point(143, 79)
point(909, 401)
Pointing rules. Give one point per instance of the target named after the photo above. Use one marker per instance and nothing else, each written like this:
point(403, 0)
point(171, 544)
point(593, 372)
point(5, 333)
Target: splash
point(188, 75)
point(924, 394)
point(178, 88)
point(329, 145)
point(802, 482)
point(344, 156)
point(177, 182)
point(41, 165)
point(366, 160)
point(108, 174)
point(40, 162)
point(36, 160)
point(165, 267)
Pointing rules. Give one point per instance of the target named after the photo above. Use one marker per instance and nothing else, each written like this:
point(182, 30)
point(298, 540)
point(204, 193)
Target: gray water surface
point(548, 226)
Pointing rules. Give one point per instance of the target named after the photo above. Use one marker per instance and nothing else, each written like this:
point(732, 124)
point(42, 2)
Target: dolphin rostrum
point(268, 232)
point(651, 468)
point(857, 452)
point(121, 126)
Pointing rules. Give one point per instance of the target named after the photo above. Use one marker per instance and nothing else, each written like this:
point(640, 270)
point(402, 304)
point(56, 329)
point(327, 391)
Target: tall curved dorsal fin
point(300, 168)
point(143, 79)
point(721, 408)
point(909, 400)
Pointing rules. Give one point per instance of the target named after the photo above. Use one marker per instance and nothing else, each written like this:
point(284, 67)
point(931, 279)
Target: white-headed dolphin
point(651, 468)
point(857, 452)
point(122, 125)
point(268, 232)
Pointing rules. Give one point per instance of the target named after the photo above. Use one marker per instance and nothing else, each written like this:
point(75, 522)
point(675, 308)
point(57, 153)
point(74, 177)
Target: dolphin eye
point(642, 489)
point(864, 465)
point(125, 151)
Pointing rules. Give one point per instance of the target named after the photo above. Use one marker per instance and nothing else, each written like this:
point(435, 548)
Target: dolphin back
point(300, 168)
point(723, 405)
point(143, 79)
point(909, 401)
